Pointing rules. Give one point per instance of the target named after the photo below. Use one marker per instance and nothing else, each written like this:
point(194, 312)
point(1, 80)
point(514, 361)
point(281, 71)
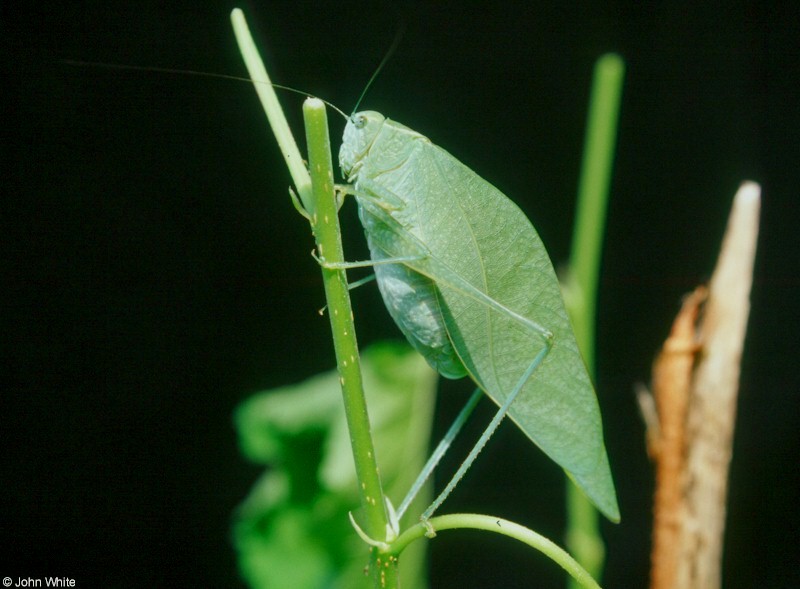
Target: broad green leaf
point(293, 531)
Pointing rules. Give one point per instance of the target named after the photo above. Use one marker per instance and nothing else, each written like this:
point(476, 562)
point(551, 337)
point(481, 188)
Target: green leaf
point(293, 531)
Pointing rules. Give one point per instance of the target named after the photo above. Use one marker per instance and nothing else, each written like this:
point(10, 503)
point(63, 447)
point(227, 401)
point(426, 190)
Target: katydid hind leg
point(488, 432)
point(444, 277)
point(440, 451)
point(398, 241)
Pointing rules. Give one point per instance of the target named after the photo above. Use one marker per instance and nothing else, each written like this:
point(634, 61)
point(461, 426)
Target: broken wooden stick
point(695, 385)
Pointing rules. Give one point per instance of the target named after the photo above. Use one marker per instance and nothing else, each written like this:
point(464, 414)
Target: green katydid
point(468, 281)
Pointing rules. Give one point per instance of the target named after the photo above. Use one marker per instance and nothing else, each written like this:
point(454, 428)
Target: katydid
point(468, 281)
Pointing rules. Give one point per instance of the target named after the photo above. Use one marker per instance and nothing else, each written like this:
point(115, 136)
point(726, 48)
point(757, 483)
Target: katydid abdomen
point(413, 303)
point(477, 293)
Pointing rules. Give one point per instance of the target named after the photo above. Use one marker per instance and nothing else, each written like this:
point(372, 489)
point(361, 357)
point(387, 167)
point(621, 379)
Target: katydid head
point(359, 133)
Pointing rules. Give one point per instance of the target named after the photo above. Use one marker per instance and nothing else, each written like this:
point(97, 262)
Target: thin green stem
point(593, 189)
point(269, 101)
point(325, 225)
point(583, 528)
point(500, 526)
point(316, 191)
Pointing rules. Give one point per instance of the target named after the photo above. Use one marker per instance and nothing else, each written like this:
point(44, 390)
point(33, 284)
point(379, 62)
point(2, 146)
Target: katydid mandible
point(468, 281)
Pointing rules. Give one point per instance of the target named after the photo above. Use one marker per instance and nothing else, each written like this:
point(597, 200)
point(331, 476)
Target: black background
point(155, 273)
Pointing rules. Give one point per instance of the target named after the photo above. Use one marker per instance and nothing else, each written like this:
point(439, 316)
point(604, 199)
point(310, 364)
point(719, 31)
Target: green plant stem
point(583, 527)
point(325, 225)
point(500, 526)
point(317, 195)
point(593, 189)
point(269, 101)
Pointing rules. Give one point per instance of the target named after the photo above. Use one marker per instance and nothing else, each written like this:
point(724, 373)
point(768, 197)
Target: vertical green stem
point(317, 194)
point(583, 529)
point(593, 188)
point(325, 225)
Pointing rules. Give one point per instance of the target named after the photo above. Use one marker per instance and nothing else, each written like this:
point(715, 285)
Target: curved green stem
point(500, 526)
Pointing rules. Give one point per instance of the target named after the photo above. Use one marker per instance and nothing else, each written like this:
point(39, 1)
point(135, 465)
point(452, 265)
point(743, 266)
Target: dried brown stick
point(695, 386)
point(672, 380)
